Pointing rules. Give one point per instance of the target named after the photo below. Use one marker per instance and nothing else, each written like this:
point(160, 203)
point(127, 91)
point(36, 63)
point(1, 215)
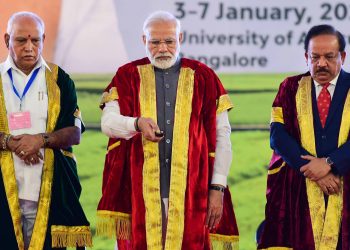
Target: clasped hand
point(27, 147)
point(330, 184)
point(316, 168)
point(319, 171)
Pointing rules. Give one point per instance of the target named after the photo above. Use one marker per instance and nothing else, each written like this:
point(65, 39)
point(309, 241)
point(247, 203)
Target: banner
point(230, 36)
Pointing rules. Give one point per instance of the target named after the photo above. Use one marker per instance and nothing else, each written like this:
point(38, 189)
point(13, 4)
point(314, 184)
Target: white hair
point(161, 16)
point(20, 14)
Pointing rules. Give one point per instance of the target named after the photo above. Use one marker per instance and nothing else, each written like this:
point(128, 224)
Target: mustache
point(163, 54)
point(321, 70)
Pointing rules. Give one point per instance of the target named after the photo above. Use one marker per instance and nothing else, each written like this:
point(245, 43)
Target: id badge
point(19, 120)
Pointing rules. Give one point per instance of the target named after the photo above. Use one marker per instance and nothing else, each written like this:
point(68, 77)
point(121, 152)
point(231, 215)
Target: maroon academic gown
point(130, 206)
point(296, 216)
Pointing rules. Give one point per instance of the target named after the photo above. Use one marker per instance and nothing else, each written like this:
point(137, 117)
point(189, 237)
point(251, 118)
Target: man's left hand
point(28, 145)
point(215, 207)
point(33, 158)
point(316, 168)
point(330, 184)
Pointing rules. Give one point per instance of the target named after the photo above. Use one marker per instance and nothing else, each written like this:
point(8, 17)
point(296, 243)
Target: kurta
point(60, 220)
point(296, 215)
point(130, 206)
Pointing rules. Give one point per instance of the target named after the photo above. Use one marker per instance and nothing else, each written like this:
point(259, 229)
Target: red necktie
point(323, 102)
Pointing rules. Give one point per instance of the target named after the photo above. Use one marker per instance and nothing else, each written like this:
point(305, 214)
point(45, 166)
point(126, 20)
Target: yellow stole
point(325, 223)
point(8, 171)
point(151, 188)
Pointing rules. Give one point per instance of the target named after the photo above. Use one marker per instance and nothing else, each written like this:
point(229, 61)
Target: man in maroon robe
point(308, 184)
point(163, 186)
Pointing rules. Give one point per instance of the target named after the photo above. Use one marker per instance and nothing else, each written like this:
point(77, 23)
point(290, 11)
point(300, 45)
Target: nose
point(28, 46)
point(163, 47)
point(322, 62)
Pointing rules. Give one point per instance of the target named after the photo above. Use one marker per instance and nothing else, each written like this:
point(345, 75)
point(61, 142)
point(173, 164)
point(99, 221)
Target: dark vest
point(166, 87)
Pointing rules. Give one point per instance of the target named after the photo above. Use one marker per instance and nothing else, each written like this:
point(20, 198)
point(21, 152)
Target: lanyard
point(26, 88)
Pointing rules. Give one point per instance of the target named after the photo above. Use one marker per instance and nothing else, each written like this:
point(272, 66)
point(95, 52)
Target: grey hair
point(25, 14)
point(161, 16)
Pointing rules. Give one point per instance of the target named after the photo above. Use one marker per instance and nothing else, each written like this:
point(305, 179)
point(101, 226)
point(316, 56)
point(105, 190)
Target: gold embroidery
point(9, 178)
point(113, 214)
point(212, 154)
point(112, 95)
point(325, 224)
point(221, 237)
point(225, 242)
point(345, 122)
point(113, 146)
point(69, 154)
point(305, 119)
point(54, 107)
point(333, 216)
point(276, 248)
point(224, 103)
point(71, 236)
point(151, 188)
point(277, 115)
point(276, 170)
point(111, 223)
point(179, 163)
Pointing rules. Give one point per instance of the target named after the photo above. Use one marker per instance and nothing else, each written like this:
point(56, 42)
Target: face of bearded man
point(162, 44)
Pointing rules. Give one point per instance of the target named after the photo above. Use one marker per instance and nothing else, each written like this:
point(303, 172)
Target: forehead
point(25, 26)
point(324, 43)
point(162, 29)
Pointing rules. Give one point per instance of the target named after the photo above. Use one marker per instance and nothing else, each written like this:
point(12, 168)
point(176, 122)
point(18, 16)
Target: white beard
point(163, 64)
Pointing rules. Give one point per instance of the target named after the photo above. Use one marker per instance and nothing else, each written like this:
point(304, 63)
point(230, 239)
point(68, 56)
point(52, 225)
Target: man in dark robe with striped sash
point(39, 123)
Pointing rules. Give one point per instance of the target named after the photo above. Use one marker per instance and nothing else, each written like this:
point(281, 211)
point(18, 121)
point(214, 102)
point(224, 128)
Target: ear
point(43, 37)
point(7, 40)
point(343, 55)
point(180, 37)
point(306, 57)
point(144, 39)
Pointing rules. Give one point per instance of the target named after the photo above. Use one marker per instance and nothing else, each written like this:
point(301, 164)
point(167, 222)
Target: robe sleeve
point(281, 141)
point(69, 107)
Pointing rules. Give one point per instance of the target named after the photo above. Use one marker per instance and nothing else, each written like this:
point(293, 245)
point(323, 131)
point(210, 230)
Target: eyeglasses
point(170, 43)
point(328, 57)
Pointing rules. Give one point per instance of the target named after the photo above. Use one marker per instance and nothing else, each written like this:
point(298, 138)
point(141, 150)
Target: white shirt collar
point(8, 64)
point(333, 82)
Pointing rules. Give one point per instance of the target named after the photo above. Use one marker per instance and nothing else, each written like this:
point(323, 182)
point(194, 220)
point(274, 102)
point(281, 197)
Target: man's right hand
point(148, 128)
point(330, 184)
point(12, 145)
